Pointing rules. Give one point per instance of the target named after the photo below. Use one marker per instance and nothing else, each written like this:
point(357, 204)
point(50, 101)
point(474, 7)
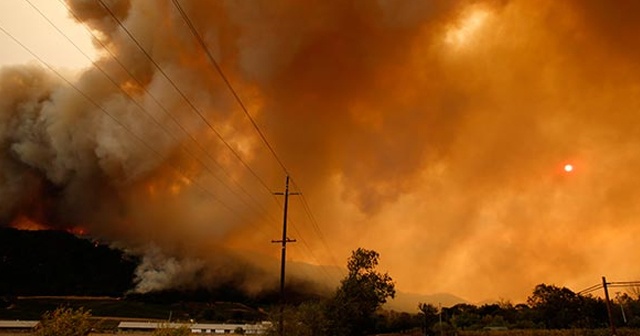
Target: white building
point(207, 328)
point(18, 325)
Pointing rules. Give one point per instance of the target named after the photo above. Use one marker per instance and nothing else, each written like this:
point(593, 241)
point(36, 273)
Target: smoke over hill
point(440, 126)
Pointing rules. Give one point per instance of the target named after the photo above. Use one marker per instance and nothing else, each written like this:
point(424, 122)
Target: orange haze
point(434, 132)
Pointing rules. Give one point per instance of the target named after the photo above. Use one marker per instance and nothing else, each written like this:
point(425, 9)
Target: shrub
point(166, 330)
point(65, 322)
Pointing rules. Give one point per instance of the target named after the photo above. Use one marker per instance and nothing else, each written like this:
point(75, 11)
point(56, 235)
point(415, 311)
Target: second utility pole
point(283, 257)
point(609, 311)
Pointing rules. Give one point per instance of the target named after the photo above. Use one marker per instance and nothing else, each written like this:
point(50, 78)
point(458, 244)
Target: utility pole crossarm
point(289, 240)
point(283, 259)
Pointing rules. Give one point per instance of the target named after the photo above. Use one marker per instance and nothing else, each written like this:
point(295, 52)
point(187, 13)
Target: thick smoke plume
point(434, 132)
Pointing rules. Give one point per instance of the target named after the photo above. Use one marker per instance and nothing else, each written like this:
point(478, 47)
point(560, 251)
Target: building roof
point(192, 326)
point(17, 324)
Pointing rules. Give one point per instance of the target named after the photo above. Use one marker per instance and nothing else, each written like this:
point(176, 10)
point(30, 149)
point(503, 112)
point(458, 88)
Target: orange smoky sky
point(434, 132)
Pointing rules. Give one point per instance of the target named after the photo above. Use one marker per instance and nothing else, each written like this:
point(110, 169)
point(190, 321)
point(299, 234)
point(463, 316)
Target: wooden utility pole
point(283, 257)
point(440, 318)
point(606, 297)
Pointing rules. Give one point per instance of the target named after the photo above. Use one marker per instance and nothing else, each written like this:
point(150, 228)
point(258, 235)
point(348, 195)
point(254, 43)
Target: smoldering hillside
point(440, 126)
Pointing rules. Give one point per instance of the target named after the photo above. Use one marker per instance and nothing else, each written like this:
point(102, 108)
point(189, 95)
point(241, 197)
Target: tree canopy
point(360, 295)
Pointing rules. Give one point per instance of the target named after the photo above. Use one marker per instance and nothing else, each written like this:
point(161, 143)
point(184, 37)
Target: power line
point(217, 67)
point(310, 251)
point(188, 100)
point(110, 78)
point(183, 95)
point(590, 289)
point(315, 226)
point(308, 247)
point(226, 81)
point(82, 93)
point(198, 37)
point(616, 284)
point(235, 95)
point(143, 109)
point(625, 283)
point(121, 124)
point(200, 146)
point(285, 239)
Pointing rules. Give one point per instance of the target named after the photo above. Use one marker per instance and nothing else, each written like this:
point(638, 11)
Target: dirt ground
point(3, 333)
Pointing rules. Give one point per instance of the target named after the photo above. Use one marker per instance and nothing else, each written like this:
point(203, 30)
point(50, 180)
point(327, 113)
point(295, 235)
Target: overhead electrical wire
point(183, 95)
point(590, 289)
point(261, 210)
point(214, 63)
point(314, 224)
point(143, 109)
point(243, 107)
point(614, 284)
point(160, 125)
point(301, 238)
point(625, 283)
point(121, 124)
point(322, 267)
point(195, 109)
point(198, 37)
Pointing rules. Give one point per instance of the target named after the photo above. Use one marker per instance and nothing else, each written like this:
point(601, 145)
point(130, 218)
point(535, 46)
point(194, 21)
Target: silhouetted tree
point(429, 316)
point(592, 313)
point(390, 321)
point(554, 307)
point(361, 293)
point(523, 317)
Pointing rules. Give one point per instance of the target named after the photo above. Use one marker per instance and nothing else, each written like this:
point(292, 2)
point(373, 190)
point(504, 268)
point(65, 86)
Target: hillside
point(59, 263)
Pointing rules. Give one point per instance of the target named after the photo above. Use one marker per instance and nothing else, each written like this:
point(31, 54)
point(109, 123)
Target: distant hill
point(59, 263)
point(408, 302)
point(32, 308)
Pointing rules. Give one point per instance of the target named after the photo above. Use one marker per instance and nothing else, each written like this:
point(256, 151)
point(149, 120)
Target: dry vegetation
point(534, 332)
point(543, 332)
point(92, 334)
point(566, 332)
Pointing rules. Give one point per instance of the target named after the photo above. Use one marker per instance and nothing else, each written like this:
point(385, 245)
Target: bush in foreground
point(165, 330)
point(65, 322)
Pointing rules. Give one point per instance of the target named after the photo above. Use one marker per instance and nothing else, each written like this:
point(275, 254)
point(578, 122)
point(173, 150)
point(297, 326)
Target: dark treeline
point(59, 263)
point(548, 307)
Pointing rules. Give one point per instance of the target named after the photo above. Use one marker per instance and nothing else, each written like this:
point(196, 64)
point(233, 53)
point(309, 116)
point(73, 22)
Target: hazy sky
point(22, 21)
point(435, 132)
